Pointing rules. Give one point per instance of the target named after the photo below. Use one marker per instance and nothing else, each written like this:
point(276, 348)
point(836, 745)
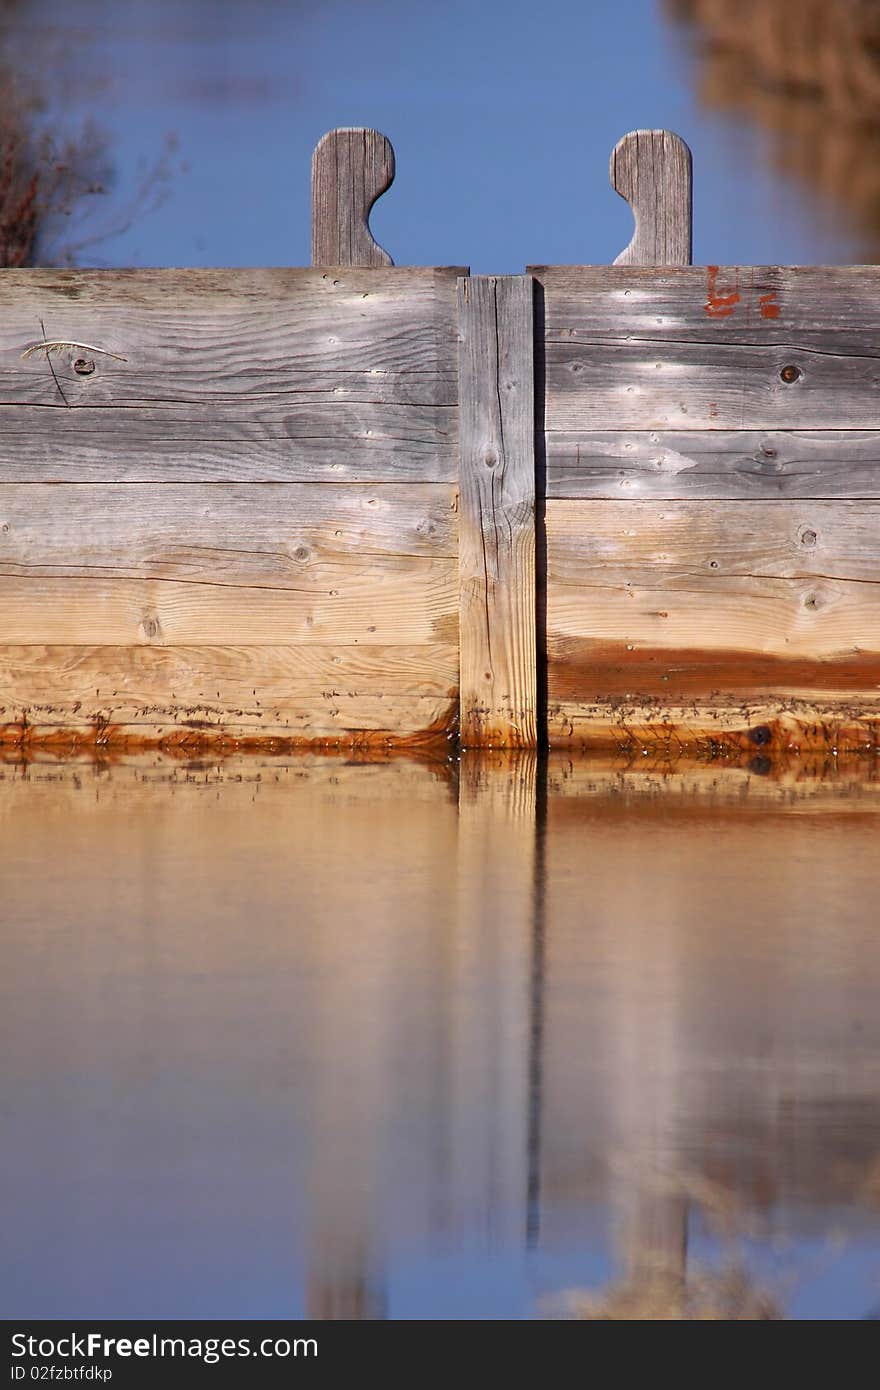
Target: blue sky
point(502, 115)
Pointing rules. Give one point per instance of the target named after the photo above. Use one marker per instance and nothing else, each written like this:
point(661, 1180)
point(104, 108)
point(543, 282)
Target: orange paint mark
point(718, 306)
point(769, 306)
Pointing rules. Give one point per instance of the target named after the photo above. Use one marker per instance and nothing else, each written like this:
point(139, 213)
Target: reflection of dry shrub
point(659, 1284)
point(42, 185)
point(728, 1294)
point(51, 183)
point(809, 74)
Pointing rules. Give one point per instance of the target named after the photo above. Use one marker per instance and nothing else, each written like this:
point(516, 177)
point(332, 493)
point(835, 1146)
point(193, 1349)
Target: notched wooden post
point(351, 168)
point(497, 512)
point(651, 169)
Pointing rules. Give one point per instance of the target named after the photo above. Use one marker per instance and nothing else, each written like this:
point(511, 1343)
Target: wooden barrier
point(356, 504)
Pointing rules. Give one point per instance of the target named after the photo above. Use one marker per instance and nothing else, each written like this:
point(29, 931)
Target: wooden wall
point(227, 502)
point(713, 504)
point(634, 504)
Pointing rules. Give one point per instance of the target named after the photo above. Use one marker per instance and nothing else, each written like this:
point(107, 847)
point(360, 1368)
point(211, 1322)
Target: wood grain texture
point(351, 168)
point(716, 465)
point(288, 535)
point(298, 692)
point(262, 565)
point(497, 512)
point(651, 169)
point(259, 375)
point(701, 619)
point(710, 349)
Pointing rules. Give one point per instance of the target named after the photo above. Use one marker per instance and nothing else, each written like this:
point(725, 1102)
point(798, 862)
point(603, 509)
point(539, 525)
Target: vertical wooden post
point(497, 512)
point(651, 169)
point(351, 168)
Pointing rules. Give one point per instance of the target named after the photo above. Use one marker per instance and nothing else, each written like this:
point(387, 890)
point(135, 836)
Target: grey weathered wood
point(716, 465)
point(351, 168)
point(310, 439)
point(760, 304)
point(651, 169)
point(497, 521)
point(285, 531)
point(706, 348)
point(259, 375)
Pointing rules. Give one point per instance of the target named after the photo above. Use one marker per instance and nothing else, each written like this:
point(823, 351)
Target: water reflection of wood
point(809, 74)
point(412, 1004)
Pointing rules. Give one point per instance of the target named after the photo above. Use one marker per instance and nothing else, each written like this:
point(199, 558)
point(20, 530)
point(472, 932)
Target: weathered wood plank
point(717, 465)
point(698, 545)
point(762, 728)
point(175, 338)
point(262, 375)
point(497, 512)
point(285, 691)
point(399, 602)
point(351, 168)
point(695, 617)
point(290, 534)
point(341, 437)
point(738, 348)
point(262, 565)
point(651, 169)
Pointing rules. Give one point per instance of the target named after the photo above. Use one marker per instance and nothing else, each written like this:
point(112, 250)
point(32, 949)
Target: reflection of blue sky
point(502, 115)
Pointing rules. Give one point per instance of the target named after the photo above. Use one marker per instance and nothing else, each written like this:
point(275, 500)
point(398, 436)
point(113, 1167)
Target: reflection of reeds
point(728, 1294)
point(810, 75)
point(659, 1283)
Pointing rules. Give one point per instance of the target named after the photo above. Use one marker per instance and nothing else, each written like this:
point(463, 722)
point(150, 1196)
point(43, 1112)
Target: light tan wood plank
point(497, 522)
point(124, 684)
point(706, 618)
point(721, 465)
point(396, 601)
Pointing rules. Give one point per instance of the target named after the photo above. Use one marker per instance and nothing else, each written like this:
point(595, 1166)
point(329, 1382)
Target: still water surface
point(421, 1040)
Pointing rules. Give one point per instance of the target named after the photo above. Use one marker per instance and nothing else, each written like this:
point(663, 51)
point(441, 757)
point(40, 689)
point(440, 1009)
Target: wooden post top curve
point(351, 168)
point(652, 170)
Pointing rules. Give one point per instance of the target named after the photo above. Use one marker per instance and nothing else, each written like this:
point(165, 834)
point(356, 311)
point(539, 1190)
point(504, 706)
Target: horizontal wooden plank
point(281, 531)
point(399, 601)
point(703, 547)
point(711, 617)
point(761, 729)
point(205, 565)
point(337, 437)
point(709, 348)
point(296, 691)
point(716, 465)
point(295, 374)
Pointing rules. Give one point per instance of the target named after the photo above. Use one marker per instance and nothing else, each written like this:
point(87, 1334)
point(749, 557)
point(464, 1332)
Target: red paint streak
point(769, 307)
point(718, 306)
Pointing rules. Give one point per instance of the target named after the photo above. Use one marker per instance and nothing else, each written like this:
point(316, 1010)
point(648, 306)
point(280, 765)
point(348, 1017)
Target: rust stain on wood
point(582, 669)
point(188, 738)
